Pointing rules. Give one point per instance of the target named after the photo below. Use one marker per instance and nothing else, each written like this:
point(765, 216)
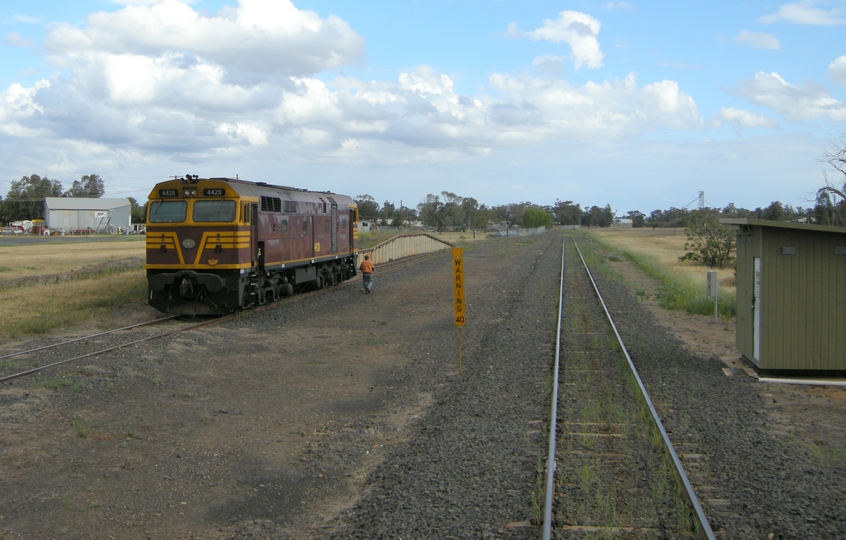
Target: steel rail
point(553, 416)
point(161, 319)
point(705, 526)
point(115, 348)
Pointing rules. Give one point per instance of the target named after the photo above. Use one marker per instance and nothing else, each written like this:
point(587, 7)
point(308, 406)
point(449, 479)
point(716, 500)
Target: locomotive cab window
point(305, 225)
point(284, 226)
point(326, 226)
point(221, 210)
point(168, 211)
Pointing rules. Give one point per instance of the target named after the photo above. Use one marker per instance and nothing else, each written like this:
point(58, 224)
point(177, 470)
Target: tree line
point(447, 210)
point(451, 211)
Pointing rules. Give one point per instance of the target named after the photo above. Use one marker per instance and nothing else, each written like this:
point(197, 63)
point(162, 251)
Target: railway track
point(612, 470)
point(51, 355)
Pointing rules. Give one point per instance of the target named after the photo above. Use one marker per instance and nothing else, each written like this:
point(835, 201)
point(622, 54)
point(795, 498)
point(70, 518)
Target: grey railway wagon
point(791, 295)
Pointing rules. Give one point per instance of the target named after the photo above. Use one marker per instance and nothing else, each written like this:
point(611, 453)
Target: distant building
point(367, 225)
point(74, 215)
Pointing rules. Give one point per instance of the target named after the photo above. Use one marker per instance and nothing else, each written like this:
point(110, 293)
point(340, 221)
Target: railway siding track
point(753, 481)
point(615, 471)
point(50, 353)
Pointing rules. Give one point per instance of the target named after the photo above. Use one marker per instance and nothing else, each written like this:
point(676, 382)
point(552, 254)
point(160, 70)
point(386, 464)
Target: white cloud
point(607, 109)
point(576, 29)
point(809, 100)
point(806, 12)
point(742, 118)
point(27, 19)
point(14, 39)
point(617, 5)
point(17, 106)
point(162, 79)
point(837, 70)
point(758, 40)
point(549, 64)
point(260, 36)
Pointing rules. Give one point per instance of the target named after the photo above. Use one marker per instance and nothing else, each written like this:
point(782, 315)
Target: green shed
point(791, 295)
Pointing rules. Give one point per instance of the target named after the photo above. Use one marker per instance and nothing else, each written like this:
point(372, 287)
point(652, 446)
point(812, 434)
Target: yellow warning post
point(458, 290)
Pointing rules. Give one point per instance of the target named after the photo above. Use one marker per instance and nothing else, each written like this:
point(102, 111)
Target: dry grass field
point(57, 257)
point(665, 246)
point(52, 284)
point(47, 285)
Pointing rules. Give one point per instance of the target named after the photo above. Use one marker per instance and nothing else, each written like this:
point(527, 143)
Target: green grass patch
point(827, 452)
point(56, 383)
point(81, 429)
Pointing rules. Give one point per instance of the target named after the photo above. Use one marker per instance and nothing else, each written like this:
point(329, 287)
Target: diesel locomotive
point(216, 245)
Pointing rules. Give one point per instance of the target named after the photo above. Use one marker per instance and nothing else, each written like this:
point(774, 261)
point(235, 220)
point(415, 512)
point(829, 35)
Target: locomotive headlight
point(188, 243)
point(189, 192)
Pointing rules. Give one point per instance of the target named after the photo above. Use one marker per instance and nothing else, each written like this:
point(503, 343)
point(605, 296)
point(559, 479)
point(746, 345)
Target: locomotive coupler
point(186, 289)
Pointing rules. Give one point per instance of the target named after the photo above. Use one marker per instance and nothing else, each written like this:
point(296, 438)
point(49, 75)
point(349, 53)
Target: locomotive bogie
point(218, 245)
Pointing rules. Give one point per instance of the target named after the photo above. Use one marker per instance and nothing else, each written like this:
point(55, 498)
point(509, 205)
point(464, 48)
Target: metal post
point(713, 292)
point(460, 366)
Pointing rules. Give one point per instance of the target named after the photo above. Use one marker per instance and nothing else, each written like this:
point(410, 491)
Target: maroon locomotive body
point(220, 244)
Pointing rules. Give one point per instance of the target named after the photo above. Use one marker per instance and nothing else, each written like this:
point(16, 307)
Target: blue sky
point(640, 105)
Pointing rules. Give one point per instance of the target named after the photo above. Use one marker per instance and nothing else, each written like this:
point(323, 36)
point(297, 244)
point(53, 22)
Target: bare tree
point(830, 211)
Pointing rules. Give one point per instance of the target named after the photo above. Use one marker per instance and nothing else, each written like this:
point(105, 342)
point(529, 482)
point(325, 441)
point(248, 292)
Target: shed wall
point(803, 299)
point(70, 220)
point(804, 295)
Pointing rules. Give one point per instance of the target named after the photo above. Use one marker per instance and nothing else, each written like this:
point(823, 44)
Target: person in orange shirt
point(366, 268)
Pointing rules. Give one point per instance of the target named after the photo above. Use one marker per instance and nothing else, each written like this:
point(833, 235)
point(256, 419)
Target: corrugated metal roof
point(79, 203)
point(783, 225)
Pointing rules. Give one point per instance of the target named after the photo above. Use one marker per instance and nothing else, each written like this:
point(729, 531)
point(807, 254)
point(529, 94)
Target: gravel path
point(471, 466)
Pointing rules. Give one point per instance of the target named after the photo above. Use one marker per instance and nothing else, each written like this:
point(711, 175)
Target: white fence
point(403, 246)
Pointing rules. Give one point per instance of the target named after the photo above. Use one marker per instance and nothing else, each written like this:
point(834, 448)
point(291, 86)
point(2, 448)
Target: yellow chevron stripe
point(168, 240)
point(224, 239)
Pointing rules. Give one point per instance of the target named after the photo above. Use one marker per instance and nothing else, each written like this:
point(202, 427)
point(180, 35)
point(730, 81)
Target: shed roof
point(783, 225)
point(82, 203)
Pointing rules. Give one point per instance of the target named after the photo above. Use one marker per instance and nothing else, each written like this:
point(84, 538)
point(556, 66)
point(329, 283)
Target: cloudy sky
point(639, 104)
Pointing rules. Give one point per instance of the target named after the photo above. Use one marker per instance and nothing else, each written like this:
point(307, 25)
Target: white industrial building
point(83, 215)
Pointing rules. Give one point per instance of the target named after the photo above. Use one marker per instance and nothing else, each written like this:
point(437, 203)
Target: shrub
point(709, 243)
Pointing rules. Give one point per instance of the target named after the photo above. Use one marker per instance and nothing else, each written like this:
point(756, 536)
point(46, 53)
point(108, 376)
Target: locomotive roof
point(262, 184)
point(245, 187)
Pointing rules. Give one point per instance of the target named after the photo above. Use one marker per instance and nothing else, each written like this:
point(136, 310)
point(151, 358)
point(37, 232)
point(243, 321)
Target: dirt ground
point(196, 435)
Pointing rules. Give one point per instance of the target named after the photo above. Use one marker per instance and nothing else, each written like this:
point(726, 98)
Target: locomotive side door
point(334, 227)
point(254, 245)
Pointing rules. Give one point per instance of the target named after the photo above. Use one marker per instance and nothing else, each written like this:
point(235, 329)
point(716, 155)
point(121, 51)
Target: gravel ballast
point(342, 415)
